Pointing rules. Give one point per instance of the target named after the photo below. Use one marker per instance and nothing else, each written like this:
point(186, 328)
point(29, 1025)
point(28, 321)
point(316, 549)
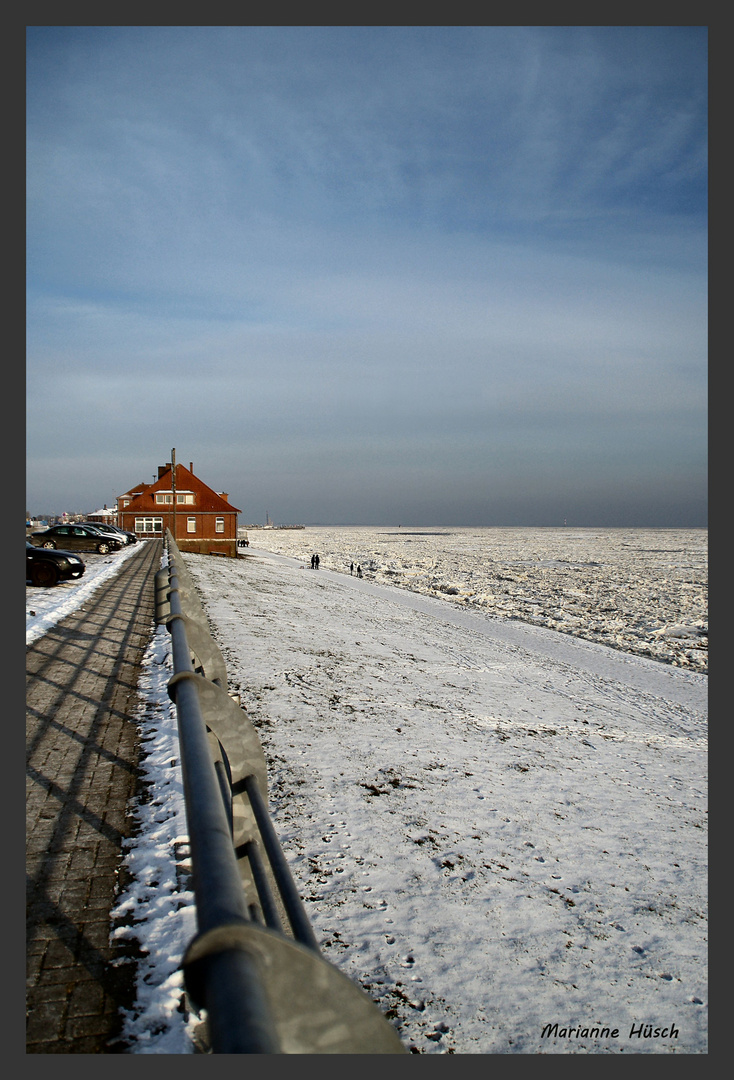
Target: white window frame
point(148, 525)
point(164, 496)
point(219, 525)
point(190, 524)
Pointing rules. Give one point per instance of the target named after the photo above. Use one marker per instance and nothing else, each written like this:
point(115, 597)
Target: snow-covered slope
point(494, 829)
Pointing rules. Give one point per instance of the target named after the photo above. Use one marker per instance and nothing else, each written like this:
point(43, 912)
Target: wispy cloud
point(418, 244)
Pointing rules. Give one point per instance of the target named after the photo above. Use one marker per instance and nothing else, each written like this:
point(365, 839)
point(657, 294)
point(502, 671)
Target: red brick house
point(200, 519)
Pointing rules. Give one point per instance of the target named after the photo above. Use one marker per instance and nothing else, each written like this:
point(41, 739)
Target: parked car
point(132, 538)
point(122, 534)
point(98, 526)
point(75, 538)
point(46, 567)
point(103, 530)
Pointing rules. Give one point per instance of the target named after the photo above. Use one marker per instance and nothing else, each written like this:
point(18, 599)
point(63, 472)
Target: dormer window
point(183, 498)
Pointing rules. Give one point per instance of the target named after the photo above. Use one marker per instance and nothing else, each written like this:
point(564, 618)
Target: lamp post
point(173, 490)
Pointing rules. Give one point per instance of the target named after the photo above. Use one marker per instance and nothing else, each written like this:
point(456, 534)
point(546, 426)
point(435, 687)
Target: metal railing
point(255, 964)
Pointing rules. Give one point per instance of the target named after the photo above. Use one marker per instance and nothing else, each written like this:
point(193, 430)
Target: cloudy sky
point(371, 275)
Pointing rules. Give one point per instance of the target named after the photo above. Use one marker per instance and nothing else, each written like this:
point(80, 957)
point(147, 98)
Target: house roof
point(142, 497)
point(135, 490)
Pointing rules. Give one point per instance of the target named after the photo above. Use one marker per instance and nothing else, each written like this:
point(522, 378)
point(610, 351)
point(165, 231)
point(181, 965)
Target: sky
point(371, 275)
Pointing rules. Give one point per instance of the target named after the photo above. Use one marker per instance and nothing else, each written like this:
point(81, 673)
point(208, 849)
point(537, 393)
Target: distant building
point(104, 516)
point(201, 519)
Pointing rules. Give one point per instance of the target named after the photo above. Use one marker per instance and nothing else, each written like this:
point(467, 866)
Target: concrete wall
point(204, 546)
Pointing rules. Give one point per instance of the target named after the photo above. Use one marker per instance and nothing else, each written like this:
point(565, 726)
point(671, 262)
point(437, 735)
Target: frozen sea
point(644, 591)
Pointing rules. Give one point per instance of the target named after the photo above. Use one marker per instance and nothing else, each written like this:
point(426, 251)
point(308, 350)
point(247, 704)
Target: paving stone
point(46, 1016)
point(82, 747)
point(86, 999)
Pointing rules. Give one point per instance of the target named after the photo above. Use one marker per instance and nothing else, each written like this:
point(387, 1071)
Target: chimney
point(191, 466)
point(163, 468)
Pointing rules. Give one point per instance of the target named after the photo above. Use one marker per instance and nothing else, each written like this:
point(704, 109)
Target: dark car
point(130, 537)
point(103, 530)
point(75, 538)
point(120, 534)
point(46, 567)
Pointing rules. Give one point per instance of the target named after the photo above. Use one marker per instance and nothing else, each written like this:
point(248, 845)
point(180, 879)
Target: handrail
point(255, 964)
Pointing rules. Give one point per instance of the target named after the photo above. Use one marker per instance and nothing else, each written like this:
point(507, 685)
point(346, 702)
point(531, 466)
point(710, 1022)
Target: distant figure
point(313, 562)
point(351, 568)
point(316, 561)
point(359, 571)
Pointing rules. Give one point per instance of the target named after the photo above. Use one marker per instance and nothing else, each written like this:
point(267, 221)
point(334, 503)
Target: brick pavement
point(82, 751)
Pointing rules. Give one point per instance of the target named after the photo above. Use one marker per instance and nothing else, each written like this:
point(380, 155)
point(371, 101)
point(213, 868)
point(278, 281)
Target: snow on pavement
point(44, 607)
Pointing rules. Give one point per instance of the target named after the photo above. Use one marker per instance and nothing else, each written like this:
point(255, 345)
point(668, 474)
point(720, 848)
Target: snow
point(45, 607)
point(641, 590)
point(494, 826)
point(157, 909)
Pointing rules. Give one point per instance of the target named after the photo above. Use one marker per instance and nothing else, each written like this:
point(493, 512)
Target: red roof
point(142, 497)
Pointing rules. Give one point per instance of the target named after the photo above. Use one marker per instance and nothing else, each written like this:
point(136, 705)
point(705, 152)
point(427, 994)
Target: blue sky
point(371, 275)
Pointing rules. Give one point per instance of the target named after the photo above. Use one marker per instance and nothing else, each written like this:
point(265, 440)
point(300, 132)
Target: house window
point(185, 497)
point(148, 525)
point(219, 526)
point(191, 524)
point(125, 502)
point(164, 496)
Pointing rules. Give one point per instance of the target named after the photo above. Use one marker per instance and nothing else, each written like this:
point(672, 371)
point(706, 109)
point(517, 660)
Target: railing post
point(239, 1020)
point(263, 992)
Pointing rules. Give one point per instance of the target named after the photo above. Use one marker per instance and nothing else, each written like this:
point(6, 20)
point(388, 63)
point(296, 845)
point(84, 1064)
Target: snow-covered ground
point(157, 908)
point(641, 590)
point(495, 827)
